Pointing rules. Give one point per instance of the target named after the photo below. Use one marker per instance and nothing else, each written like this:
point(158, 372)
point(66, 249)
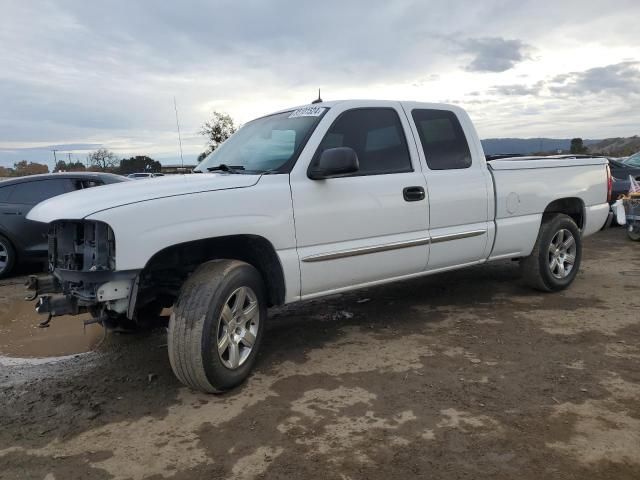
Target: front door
point(368, 226)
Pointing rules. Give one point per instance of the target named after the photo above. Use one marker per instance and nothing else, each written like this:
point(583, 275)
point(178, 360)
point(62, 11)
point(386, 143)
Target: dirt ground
point(467, 374)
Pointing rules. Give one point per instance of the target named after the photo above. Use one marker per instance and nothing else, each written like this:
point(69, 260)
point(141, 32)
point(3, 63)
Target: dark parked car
point(633, 160)
point(620, 173)
point(21, 239)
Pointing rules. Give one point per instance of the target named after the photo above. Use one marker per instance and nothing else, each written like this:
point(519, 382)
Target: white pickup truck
point(303, 203)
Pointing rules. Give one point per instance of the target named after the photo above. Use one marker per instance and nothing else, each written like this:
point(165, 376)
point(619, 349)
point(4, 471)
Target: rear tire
point(216, 327)
point(7, 257)
point(555, 259)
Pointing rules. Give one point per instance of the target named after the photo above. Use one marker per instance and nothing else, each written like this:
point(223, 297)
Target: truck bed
point(524, 187)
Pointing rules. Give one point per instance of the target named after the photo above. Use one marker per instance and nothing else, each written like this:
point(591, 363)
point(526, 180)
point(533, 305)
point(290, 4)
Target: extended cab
point(308, 202)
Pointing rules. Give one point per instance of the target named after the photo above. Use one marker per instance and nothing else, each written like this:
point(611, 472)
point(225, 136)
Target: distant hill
point(617, 147)
point(528, 146)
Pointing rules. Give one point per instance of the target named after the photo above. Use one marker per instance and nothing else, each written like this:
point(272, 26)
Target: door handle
point(413, 194)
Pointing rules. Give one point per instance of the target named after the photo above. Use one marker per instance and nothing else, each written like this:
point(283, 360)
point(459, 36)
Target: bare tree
point(102, 159)
point(217, 130)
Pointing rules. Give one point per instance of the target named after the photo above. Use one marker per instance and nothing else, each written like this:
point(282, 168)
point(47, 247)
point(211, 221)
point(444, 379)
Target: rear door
point(459, 186)
point(363, 227)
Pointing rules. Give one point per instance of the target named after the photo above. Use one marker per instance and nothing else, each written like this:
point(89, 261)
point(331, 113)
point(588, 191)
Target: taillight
point(609, 183)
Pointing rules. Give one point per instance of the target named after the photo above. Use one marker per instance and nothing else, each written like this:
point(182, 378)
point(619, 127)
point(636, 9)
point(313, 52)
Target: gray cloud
point(517, 89)
point(622, 79)
point(494, 54)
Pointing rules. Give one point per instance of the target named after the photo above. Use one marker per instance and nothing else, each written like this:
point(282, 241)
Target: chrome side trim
point(457, 236)
point(366, 250)
point(391, 246)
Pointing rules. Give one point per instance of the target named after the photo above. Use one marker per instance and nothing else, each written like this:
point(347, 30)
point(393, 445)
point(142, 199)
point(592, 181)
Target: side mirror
point(334, 162)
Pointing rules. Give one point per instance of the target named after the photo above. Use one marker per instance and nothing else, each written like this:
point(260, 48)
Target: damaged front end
point(83, 276)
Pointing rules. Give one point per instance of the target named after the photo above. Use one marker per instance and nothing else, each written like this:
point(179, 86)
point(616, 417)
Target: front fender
point(143, 229)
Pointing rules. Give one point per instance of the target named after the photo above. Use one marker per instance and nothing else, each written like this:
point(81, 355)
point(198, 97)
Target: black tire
point(536, 269)
point(633, 234)
point(7, 257)
point(196, 325)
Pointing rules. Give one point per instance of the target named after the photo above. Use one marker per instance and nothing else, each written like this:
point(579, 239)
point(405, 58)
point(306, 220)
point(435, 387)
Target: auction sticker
point(307, 112)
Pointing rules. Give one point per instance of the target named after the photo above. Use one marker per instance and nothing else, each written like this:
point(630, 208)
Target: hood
point(80, 204)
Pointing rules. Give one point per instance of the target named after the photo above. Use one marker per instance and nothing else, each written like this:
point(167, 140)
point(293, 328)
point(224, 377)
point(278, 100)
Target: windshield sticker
point(307, 112)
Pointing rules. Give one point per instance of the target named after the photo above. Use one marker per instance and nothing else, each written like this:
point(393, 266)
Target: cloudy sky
point(76, 75)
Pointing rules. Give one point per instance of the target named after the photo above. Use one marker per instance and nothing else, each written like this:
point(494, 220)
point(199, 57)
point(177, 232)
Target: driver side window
point(377, 137)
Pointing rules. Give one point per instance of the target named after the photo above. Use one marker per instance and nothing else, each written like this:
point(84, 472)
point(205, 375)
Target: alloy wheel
point(238, 327)
point(4, 256)
point(562, 254)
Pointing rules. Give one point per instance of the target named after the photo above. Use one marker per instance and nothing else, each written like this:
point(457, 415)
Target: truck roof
point(373, 102)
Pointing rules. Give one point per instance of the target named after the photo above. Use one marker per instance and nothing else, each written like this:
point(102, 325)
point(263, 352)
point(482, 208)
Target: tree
point(6, 172)
point(217, 130)
point(63, 166)
point(577, 146)
point(102, 160)
point(138, 164)
point(23, 168)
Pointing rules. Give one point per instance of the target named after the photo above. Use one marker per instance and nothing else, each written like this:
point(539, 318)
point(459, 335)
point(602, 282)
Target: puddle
point(21, 337)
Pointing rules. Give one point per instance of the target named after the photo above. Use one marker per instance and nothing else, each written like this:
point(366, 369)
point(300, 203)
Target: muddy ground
point(462, 375)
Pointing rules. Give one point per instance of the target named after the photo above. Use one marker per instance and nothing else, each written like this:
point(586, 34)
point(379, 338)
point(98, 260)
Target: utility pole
point(55, 159)
point(175, 107)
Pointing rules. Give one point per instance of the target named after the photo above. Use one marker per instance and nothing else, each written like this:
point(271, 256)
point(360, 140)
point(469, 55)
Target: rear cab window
point(443, 141)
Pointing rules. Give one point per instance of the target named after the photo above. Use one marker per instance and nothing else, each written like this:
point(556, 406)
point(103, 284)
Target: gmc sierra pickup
point(303, 203)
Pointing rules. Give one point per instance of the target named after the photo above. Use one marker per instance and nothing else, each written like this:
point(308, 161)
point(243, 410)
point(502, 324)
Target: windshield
point(265, 144)
point(633, 160)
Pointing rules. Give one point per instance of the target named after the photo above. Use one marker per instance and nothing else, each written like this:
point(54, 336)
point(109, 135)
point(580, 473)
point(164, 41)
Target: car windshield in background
point(265, 144)
point(633, 160)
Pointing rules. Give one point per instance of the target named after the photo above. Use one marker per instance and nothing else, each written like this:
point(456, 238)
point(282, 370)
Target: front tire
point(556, 256)
point(216, 327)
point(7, 257)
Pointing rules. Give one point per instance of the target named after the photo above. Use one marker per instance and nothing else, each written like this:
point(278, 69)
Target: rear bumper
point(596, 217)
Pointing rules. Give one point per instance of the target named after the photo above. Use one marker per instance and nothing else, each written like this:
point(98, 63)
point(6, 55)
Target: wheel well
point(573, 207)
point(9, 239)
point(167, 270)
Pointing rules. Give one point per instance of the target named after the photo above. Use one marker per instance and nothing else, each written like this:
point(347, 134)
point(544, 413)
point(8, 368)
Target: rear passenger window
point(443, 141)
point(377, 137)
point(30, 193)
